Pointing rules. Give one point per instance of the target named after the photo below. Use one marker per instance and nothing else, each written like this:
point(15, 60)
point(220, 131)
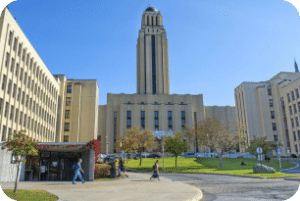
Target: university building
point(271, 109)
point(153, 106)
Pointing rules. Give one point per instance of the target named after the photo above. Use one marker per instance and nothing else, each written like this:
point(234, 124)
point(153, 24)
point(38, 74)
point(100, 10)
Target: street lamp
point(278, 154)
point(208, 143)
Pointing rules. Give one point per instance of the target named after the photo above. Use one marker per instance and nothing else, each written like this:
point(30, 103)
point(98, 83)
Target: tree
point(267, 146)
point(21, 146)
point(192, 136)
point(175, 145)
point(219, 138)
point(137, 139)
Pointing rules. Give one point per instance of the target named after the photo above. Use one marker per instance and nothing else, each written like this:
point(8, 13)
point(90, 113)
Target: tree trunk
point(221, 161)
point(140, 155)
point(17, 178)
point(176, 162)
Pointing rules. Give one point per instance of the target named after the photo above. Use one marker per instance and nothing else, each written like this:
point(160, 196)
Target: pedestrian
point(121, 166)
point(77, 170)
point(43, 171)
point(156, 171)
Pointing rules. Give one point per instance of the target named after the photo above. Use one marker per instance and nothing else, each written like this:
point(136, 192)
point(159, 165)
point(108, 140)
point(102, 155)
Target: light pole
point(278, 154)
point(207, 144)
point(163, 149)
point(106, 148)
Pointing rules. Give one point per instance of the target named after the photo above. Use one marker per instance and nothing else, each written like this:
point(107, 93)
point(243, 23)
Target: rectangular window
point(11, 112)
point(30, 103)
point(23, 55)
point(69, 89)
point(19, 94)
point(291, 110)
point(6, 109)
point(21, 118)
point(272, 114)
point(10, 38)
point(143, 119)
point(7, 59)
point(294, 135)
point(269, 91)
point(15, 44)
point(271, 102)
point(23, 97)
point(9, 86)
point(17, 115)
point(25, 119)
point(14, 90)
point(17, 70)
point(66, 138)
point(156, 121)
point(297, 93)
point(12, 66)
point(297, 121)
point(28, 83)
point(99, 138)
point(1, 100)
point(295, 108)
point(298, 134)
point(288, 97)
point(182, 120)
point(27, 59)
point(67, 127)
point(3, 82)
point(19, 50)
point(4, 133)
point(296, 148)
point(67, 114)
point(25, 78)
point(128, 119)
point(26, 101)
point(293, 95)
point(21, 74)
point(170, 123)
point(274, 126)
point(292, 122)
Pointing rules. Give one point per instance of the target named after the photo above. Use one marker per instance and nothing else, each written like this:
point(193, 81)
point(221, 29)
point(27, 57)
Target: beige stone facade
point(77, 110)
point(29, 92)
point(263, 109)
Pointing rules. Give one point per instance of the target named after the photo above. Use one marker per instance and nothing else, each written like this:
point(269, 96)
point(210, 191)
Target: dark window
point(170, 122)
point(66, 138)
point(296, 148)
point(182, 120)
point(128, 119)
point(288, 97)
point(17, 115)
point(293, 95)
point(153, 65)
point(15, 44)
point(14, 90)
point(297, 121)
point(67, 127)
point(292, 122)
point(269, 91)
point(274, 126)
point(272, 115)
point(21, 74)
point(17, 70)
point(11, 112)
point(19, 94)
point(21, 118)
point(7, 59)
point(297, 93)
point(275, 138)
point(143, 119)
point(1, 100)
point(4, 133)
point(291, 110)
point(23, 97)
point(155, 103)
point(69, 89)
point(19, 50)
point(295, 108)
point(67, 114)
point(10, 38)
point(6, 109)
point(68, 101)
point(298, 134)
point(156, 121)
point(9, 86)
point(181, 103)
point(3, 82)
point(294, 135)
point(271, 102)
point(12, 64)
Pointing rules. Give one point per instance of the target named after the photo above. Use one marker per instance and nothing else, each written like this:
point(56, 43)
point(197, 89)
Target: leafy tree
point(262, 142)
point(192, 136)
point(175, 145)
point(21, 146)
point(219, 138)
point(137, 139)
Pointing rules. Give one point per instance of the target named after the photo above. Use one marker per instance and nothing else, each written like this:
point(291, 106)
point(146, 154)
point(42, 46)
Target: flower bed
point(101, 170)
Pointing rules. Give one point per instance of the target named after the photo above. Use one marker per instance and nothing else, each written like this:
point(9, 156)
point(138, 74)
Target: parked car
point(109, 159)
point(132, 156)
point(190, 154)
point(145, 154)
point(153, 156)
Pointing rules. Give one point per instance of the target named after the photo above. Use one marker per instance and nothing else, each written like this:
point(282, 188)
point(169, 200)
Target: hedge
point(101, 170)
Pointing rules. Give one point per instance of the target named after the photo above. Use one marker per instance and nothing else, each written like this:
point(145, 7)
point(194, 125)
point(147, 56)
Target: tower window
point(153, 65)
point(69, 89)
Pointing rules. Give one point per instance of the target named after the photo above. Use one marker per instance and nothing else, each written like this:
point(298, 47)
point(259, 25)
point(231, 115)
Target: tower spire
point(296, 66)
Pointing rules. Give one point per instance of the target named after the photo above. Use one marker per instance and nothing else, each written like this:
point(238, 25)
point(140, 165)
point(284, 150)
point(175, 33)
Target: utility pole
point(278, 154)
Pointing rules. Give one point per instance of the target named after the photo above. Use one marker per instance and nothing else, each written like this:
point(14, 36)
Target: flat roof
point(63, 146)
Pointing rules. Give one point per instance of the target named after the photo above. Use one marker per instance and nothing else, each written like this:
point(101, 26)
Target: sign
point(288, 151)
point(278, 151)
point(259, 150)
point(159, 133)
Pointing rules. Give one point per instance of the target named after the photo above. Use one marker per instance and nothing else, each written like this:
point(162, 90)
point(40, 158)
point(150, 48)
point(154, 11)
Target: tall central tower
point(152, 55)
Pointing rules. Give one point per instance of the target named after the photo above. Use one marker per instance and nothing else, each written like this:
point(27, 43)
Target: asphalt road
point(222, 188)
point(295, 170)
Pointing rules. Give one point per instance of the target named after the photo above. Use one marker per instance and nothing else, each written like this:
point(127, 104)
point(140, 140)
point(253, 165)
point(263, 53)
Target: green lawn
point(30, 195)
point(209, 165)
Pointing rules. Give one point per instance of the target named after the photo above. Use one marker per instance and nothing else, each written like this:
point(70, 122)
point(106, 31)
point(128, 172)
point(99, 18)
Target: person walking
point(43, 170)
point(77, 171)
point(156, 171)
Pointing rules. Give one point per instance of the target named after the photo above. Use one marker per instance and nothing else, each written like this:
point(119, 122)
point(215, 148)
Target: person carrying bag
point(156, 171)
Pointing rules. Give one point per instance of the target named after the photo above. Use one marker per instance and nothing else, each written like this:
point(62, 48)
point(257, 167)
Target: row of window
point(294, 108)
point(293, 95)
point(142, 103)
point(14, 112)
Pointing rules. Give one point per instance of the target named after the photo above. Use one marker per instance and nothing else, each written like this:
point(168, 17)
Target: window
point(7, 59)
point(271, 102)
point(19, 50)
point(288, 97)
point(6, 109)
point(21, 74)
point(182, 120)
point(291, 110)
point(67, 127)
point(21, 118)
point(67, 114)
point(69, 89)
point(155, 103)
point(156, 121)
point(17, 115)
point(14, 90)
point(68, 101)
point(292, 122)
point(275, 138)
point(23, 54)
point(297, 93)
point(295, 108)
point(11, 113)
point(25, 119)
point(1, 100)
point(9, 86)
point(274, 126)
point(294, 135)
point(298, 134)
point(4, 133)
point(128, 119)
point(143, 119)
point(293, 95)
point(23, 97)
point(66, 138)
point(170, 123)
point(15, 44)
point(28, 83)
point(10, 38)
point(26, 101)
point(12, 64)
point(181, 103)
point(297, 121)
point(272, 115)
point(17, 70)
point(30, 103)
point(296, 148)
point(19, 94)
point(25, 78)
point(269, 91)
point(3, 82)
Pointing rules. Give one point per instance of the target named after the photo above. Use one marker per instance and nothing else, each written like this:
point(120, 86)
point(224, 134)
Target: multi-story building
point(270, 109)
point(225, 114)
point(77, 110)
point(29, 92)
point(153, 106)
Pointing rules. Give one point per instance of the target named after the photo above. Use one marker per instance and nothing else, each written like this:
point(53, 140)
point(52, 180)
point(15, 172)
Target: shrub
point(101, 170)
point(293, 156)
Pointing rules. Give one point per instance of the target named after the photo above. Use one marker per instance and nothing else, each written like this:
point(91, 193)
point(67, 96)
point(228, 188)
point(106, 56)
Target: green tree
point(21, 145)
point(137, 139)
point(262, 142)
point(175, 145)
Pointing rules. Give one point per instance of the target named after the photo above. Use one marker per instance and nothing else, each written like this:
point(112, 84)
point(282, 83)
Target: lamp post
point(163, 149)
point(106, 148)
point(208, 143)
point(278, 154)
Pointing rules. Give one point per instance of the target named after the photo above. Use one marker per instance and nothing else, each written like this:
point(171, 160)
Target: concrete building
point(77, 110)
point(271, 109)
point(29, 92)
point(153, 106)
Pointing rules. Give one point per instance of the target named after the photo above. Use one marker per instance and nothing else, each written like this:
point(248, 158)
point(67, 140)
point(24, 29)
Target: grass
point(30, 195)
point(210, 165)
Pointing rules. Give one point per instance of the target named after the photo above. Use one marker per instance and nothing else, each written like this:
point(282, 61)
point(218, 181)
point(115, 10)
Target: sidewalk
point(136, 187)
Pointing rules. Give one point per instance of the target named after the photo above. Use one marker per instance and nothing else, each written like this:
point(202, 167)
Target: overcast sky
point(214, 45)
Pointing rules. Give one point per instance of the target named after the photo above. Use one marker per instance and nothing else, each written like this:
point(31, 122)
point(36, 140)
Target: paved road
point(222, 188)
point(295, 170)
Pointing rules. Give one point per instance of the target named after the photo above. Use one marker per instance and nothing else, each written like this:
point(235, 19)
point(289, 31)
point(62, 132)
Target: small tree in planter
point(21, 146)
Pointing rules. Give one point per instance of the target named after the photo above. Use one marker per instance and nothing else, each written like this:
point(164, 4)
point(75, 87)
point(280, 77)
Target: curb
point(297, 165)
point(198, 197)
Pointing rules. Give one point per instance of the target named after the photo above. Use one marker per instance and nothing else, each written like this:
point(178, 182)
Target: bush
point(101, 170)
point(293, 156)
